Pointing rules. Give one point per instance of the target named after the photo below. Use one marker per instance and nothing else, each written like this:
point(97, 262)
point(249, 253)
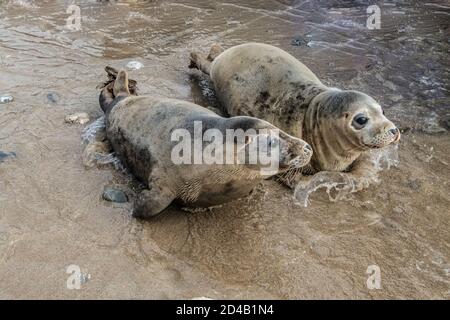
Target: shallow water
point(265, 246)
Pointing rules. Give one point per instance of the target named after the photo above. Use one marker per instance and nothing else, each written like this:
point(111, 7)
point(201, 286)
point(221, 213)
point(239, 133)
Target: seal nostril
point(393, 131)
point(307, 148)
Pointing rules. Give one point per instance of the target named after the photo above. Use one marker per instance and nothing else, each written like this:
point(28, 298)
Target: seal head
point(341, 124)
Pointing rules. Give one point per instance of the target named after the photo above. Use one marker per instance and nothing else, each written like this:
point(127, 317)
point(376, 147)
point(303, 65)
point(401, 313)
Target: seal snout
point(307, 150)
point(396, 133)
point(307, 153)
point(302, 153)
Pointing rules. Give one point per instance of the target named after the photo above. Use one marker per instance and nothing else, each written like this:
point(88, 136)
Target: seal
point(141, 131)
point(266, 82)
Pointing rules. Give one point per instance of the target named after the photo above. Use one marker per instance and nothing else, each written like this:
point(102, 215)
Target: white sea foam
point(339, 185)
point(94, 155)
point(91, 131)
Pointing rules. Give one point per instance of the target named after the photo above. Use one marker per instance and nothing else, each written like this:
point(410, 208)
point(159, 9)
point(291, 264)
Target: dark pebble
point(415, 184)
point(5, 155)
point(446, 124)
point(52, 97)
point(114, 195)
point(299, 41)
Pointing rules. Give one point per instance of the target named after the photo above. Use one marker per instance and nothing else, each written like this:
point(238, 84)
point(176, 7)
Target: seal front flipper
point(157, 197)
point(362, 172)
point(151, 202)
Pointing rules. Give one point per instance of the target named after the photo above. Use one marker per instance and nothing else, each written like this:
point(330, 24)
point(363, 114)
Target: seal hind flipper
point(117, 86)
point(112, 75)
point(112, 72)
point(202, 63)
point(198, 61)
point(120, 88)
point(106, 97)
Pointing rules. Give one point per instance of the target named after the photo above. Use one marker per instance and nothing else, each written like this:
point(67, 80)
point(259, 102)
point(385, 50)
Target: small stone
point(134, 65)
point(397, 210)
point(379, 77)
point(5, 155)
point(415, 184)
point(114, 195)
point(390, 85)
point(78, 118)
point(395, 97)
point(446, 123)
point(432, 128)
point(52, 97)
point(371, 65)
point(299, 41)
point(6, 99)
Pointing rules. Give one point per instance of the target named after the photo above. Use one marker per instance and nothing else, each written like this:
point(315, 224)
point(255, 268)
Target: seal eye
point(360, 121)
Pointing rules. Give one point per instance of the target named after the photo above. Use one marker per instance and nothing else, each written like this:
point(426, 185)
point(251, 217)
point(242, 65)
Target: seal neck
point(297, 97)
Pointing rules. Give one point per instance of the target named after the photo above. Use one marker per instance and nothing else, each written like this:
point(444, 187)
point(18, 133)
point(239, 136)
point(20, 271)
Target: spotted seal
point(264, 81)
point(141, 130)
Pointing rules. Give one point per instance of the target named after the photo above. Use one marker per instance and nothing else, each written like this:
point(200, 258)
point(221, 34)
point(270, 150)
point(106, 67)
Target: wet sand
point(51, 211)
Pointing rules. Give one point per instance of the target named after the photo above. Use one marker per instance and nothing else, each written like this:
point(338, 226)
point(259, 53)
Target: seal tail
point(116, 88)
point(199, 61)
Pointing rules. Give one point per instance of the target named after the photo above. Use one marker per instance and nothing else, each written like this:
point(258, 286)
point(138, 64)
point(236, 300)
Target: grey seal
point(140, 130)
point(263, 81)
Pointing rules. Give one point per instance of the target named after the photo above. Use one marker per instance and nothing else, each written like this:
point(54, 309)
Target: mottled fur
point(266, 82)
point(139, 129)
